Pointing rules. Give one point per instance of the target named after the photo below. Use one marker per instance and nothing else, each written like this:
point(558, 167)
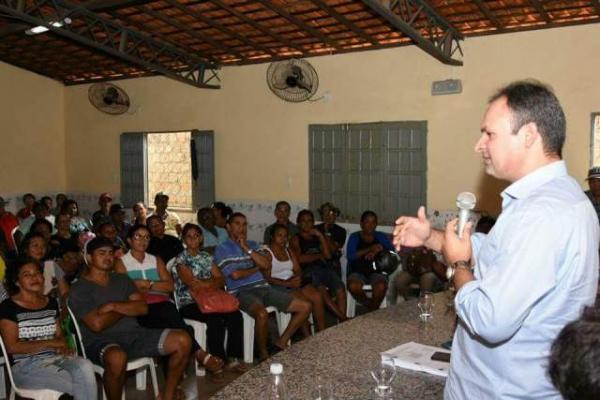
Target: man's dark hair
point(66, 204)
point(304, 212)
point(575, 358)
point(154, 217)
point(38, 206)
point(26, 195)
point(224, 209)
point(234, 216)
point(367, 214)
point(38, 222)
point(204, 213)
point(283, 203)
point(532, 101)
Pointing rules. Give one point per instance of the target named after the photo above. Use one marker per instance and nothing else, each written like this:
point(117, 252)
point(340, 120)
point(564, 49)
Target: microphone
point(465, 201)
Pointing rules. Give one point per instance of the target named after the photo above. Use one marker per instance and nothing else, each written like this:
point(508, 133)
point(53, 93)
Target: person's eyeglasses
point(141, 237)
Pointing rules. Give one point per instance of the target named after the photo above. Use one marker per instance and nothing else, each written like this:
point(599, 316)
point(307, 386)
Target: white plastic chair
point(282, 320)
point(132, 365)
point(36, 394)
point(199, 335)
point(351, 301)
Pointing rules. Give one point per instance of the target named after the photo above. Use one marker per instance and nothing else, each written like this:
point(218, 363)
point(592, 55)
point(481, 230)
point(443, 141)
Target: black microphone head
point(386, 262)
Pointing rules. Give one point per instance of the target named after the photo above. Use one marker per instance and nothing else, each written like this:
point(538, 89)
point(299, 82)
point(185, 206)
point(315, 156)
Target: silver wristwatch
point(459, 264)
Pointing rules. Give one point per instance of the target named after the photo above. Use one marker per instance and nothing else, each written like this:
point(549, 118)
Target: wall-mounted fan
point(108, 98)
point(293, 80)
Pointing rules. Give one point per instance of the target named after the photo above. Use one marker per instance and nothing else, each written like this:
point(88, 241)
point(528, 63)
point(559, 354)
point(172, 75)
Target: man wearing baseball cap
point(107, 306)
point(594, 192)
point(102, 215)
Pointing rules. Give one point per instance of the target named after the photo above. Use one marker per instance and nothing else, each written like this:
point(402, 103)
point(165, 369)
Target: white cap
point(276, 368)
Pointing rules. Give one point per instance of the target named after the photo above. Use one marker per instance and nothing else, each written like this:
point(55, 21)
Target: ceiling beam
point(257, 26)
point(539, 7)
point(112, 5)
point(596, 4)
point(186, 10)
point(298, 22)
point(345, 21)
point(89, 29)
point(189, 30)
point(443, 40)
point(485, 10)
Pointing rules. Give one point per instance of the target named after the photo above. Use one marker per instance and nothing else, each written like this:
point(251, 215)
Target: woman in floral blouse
point(194, 272)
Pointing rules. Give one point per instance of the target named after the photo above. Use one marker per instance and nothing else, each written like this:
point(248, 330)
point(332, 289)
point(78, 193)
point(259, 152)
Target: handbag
point(216, 301)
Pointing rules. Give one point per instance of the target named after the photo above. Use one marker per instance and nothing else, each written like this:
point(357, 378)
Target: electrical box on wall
point(449, 86)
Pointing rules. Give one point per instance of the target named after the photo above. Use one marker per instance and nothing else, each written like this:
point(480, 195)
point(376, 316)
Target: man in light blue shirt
point(518, 286)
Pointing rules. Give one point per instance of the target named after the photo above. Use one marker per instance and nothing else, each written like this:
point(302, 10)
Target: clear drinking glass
point(383, 374)
point(425, 306)
point(322, 390)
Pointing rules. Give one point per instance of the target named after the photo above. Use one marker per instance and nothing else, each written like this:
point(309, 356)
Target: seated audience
point(241, 265)
point(102, 215)
point(31, 330)
point(419, 265)
point(194, 273)
point(117, 218)
point(60, 199)
point(27, 210)
point(140, 213)
point(282, 217)
point(363, 246)
point(107, 306)
point(335, 234)
point(161, 245)
point(170, 218)
point(70, 260)
point(312, 251)
point(575, 358)
point(284, 274)
point(222, 213)
point(213, 235)
point(152, 280)
point(44, 227)
point(8, 222)
point(78, 224)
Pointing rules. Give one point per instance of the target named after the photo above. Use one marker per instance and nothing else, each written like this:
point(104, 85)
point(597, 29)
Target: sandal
point(212, 363)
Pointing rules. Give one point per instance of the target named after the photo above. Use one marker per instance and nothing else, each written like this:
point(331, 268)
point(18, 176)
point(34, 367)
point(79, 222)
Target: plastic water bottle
point(276, 390)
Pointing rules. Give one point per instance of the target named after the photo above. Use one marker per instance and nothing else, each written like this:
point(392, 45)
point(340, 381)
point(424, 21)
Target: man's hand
point(242, 241)
point(411, 231)
point(455, 249)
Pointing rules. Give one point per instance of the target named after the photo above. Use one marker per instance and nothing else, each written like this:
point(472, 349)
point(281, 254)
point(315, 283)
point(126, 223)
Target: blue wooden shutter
point(134, 168)
point(203, 183)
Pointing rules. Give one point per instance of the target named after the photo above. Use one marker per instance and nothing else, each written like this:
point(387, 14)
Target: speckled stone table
point(345, 353)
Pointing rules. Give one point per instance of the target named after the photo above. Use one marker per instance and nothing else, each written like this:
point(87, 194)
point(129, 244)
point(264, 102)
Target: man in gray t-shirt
point(106, 306)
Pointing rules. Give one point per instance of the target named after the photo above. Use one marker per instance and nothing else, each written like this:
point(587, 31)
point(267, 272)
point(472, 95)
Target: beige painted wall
point(32, 149)
point(261, 141)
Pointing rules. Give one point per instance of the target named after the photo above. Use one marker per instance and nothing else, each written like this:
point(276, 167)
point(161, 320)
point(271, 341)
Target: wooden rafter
point(257, 26)
point(209, 21)
point(345, 21)
point(488, 14)
point(541, 10)
point(298, 22)
point(190, 31)
point(596, 4)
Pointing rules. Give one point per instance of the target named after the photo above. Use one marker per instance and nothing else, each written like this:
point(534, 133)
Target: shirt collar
point(527, 184)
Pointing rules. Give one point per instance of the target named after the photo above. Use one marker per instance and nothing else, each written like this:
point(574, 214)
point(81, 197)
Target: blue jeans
point(67, 374)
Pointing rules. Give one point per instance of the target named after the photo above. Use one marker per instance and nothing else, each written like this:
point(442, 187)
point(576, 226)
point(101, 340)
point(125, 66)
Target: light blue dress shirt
point(535, 271)
point(210, 240)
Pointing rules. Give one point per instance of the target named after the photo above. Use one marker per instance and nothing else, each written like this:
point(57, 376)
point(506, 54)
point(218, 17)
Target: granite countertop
point(344, 355)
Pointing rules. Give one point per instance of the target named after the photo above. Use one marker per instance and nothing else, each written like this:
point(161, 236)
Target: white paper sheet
point(416, 357)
